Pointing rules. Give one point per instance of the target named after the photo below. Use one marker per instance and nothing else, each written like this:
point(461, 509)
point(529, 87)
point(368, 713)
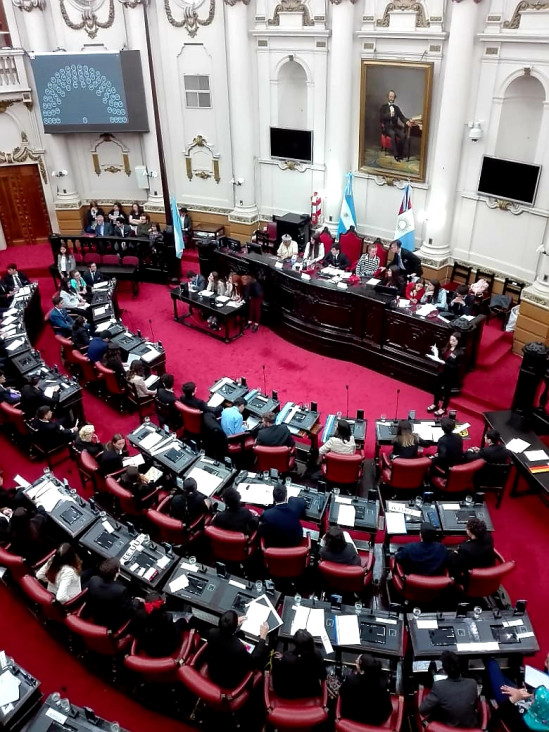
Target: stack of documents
point(206, 482)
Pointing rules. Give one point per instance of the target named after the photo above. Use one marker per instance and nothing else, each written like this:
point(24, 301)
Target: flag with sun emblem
point(405, 228)
point(347, 217)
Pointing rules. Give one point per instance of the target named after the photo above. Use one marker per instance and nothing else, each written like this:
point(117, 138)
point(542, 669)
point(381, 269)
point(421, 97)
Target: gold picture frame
point(412, 84)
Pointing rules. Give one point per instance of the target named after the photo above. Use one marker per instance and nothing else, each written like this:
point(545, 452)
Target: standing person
point(252, 293)
point(65, 261)
point(364, 695)
point(62, 573)
point(406, 260)
point(186, 226)
point(450, 361)
point(391, 117)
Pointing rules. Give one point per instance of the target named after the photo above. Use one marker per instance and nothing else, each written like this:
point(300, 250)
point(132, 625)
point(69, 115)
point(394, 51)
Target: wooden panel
point(533, 326)
point(533, 311)
point(23, 210)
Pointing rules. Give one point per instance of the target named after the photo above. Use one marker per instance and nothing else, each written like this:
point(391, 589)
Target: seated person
point(93, 276)
point(61, 573)
point(314, 250)
point(189, 399)
point(112, 459)
point(392, 276)
point(121, 229)
point(154, 628)
point(406, 442)
point(196, 280)
point(98, 346)
point(69, 298)
point(434, 294)
point(449, 447)
point(364, 695)
point(90, 216)
point(80, 335)
point(404, 259)
point(108, 601)
point(136, 376)
point(271, 434)
point(165, 393)
point(5, 519)
point(519, 709)
point(137, 484)
point(280, 524)
point(414, 291)
point(28, 536)
point(454, 700)
point(51, 433)
point(59, 318)
point(232, 422)
point(476, 552)
point(427, 557)
point(288, 248)
point(76, 283)
point(117, 213)
point(88, 440)
point(368, 264)
point(235, 517)
point(298, 672)
point(461, 303)
point(215, 284)
point(336, 258)
point(14, 279)
point(7, 394)
point(112, 359)
point(494, 451)
point(188, 504)
point(336, 549)
point(226, 656)
point(99, 226)
point(342, 442)
point(32, 397)
point(143, 227)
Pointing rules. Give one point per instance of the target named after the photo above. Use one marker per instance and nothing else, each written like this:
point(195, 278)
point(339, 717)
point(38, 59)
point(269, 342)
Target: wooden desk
point(225, 315)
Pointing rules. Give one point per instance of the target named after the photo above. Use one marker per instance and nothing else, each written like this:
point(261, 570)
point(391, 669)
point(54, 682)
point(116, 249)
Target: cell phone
point(520, 607)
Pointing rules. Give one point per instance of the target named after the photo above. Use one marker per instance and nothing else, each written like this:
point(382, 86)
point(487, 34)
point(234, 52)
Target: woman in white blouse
point(65, 261)
point(62, 573)
point(69, 297)
point(342, 442)
point(215, 284)
point(137, 378)
point(314, 251)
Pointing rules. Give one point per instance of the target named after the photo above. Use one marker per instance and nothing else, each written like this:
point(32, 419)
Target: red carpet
point(295, 374)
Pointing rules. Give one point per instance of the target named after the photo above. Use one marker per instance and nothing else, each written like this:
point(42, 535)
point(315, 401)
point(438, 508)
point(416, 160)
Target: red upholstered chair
point(422, 723)
point(418, 588)
point(351, 245)
point(280, 458)
point(78, 258)
point(14, 421)
point(348, 577)
point(88, 469)
point(342, 469)
point(44, 601)
point(115, 390)
point(110, 259)
point(67, 349)
point(194, 676)
point(287, 562)
point(285, 714)
point(385, 142)
point(125, 500)
point(405, 473)
point(239, 443)
point(87, 368)
point(90, 257)
point(486, 581)
point(460, 478)
point(130, 261)
point(164, 669)
point(173, 530)
point(382, 254)
point(192, 420)
point(16, 565)
point(231, 546)
point(393, 723)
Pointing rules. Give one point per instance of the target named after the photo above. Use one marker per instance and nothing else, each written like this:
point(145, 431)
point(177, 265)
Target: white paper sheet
point(315, 622)
point(488, 647)
point(216, 400)
point(256, 615)
point(150, 380)
point(9, 688)
point(344, 499)
point(535, 678)
point(517, 445)
point(135, 460)
point(534, 455)
point(258, 493)
point(14, 345)
point(347, 630)
point(179, 584)
point(206, 482)
point(163, 561)
point(395, 523)
point(427, 624)
point(150, 355)
point(346, 515)
point(150, 440)
point(301, 615)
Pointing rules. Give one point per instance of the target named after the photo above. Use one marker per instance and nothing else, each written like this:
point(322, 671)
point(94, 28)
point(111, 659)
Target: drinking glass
point(297, 599)
point(477, 612)
point(192, 560)
point(358, 607)
point(259, 587)
point(335, 491)
point(383, 417)
point(416, 613)
point(288, 482)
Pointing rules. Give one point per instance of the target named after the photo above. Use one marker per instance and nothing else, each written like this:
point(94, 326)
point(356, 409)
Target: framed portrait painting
point(395, 105)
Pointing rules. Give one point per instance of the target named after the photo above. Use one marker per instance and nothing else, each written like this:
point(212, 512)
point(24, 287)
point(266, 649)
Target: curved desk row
point(357, 324)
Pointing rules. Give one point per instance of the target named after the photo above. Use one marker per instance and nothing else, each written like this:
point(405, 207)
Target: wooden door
point(23, 210)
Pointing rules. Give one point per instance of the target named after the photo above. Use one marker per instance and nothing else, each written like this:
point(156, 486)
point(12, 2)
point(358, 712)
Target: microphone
point(347, 388)
point(264, 381)
point(396, 409)
point(152, 331)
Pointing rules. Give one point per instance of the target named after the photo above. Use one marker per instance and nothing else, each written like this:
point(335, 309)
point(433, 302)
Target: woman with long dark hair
point(342, 441)
point(28, 536)
point(336, 549)
point(215, 284)
point(364, 695)
point(80, 335)
point(434, 294)
point(62, 573)
point(188, 504)
point(450, 361)
point(298, 672)
point(154, 628)
point(112, 459)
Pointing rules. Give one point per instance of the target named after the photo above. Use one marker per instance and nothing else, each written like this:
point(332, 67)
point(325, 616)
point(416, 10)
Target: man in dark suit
point(108, 602)
point(390, 116)
point(59, 318)
point(336, 258)
point(197, 280)
point(494, 451)
point(51, 433)
point(427, 557)
point(98, 345)
point(5, 296)
point(186, 225)
point(273, 435)
point(14, 279)
point(93, 276)
point(452, 701)
point(102, 227)
point(280, 525)
point(32, 397)
point(226, 656)
point(405, 260)
point(449, 447)
point(235, 517)
point(189, 399)
point(477, 551)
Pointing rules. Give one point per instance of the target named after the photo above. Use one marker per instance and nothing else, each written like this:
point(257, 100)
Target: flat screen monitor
point(509, 179)
point(292, 144)
point(91, 92)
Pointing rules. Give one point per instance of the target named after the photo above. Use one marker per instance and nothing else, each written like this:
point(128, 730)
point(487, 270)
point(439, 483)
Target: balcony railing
point(13, 74)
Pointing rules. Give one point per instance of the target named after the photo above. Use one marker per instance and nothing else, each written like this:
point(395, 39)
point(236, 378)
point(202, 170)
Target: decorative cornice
point(133, 3)
point(291, 6)
point(191, 22)
point(200, 142)
point(534, 298)
point(292, 165)
point(514, 23)
point(24, 152)
point(232, 3)
point(28, 5)
point(90, 22)
point(503, 205)
point(410, 5)
point(388, 180)
point(338, 2)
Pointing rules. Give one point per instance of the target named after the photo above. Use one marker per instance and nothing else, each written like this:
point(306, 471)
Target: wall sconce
point(59, 173)
point(475, 131)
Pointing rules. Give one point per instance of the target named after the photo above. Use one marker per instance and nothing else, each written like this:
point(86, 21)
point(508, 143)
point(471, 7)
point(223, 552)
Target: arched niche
point(520, 119)
point(292, 96)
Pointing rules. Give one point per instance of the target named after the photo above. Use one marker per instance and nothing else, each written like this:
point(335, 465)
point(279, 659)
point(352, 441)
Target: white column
point(456, 86)
point(242, 117)
point(339, 106)
point(137, 41)
point(57, 152)
point(541, 283)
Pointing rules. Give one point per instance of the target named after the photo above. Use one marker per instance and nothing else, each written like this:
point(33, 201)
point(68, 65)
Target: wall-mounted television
point(289, 144)
point(509, 180)
point(91, 92)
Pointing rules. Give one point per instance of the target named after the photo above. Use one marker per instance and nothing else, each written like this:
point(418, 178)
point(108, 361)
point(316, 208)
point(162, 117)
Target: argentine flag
point(405, 228)
point(347, 217)
point(177, 232)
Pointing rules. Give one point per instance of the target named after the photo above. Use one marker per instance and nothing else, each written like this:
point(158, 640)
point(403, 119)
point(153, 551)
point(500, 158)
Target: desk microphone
point(396, 408)
point(264, 381)
point(151, 327)
point(347, 388)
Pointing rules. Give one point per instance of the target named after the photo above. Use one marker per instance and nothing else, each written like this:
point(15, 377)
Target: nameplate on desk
point(488, 647)
point(427, 624)
point(240, 585)
point(401, 508)
point(108, 528)
point(344, 499)
point(56, 716)
point(305, 276)
point(387, 621)
point(163, 561)
point(279, 265)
